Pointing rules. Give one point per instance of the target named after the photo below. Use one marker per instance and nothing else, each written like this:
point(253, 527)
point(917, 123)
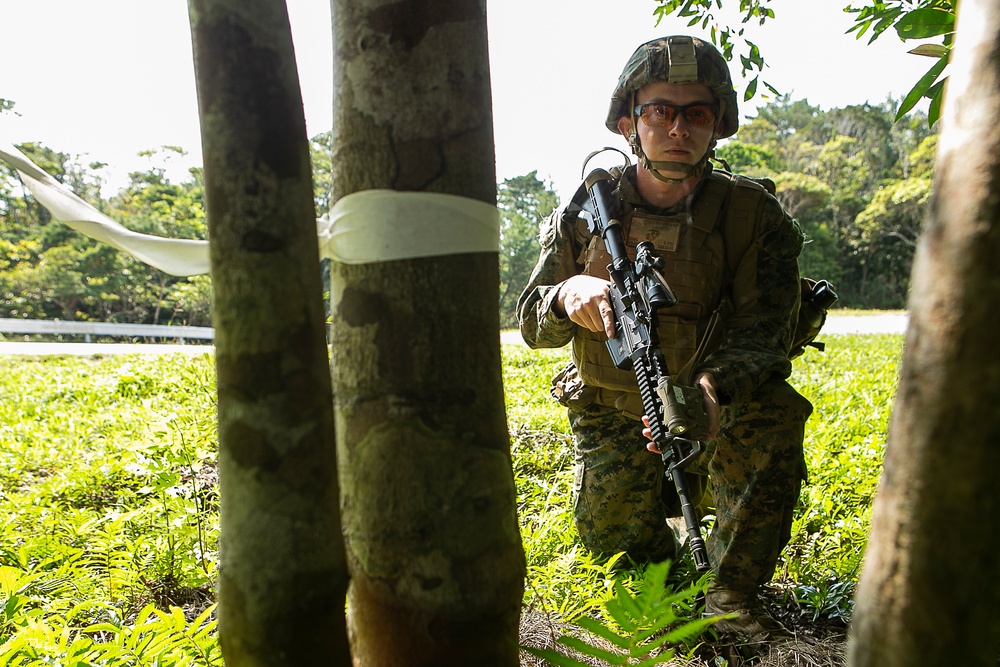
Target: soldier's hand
point(648, 434)
point(711, 400)
point(584, 300)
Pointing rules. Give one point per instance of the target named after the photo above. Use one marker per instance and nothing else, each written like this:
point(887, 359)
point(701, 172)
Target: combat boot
point(749, 618)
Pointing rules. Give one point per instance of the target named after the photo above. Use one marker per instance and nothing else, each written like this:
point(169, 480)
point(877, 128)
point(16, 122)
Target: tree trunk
point(427, 490)
point(283, 577)
point(928, 593)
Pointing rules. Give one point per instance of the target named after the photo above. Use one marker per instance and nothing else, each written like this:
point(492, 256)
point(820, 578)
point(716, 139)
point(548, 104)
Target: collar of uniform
point(630, 195)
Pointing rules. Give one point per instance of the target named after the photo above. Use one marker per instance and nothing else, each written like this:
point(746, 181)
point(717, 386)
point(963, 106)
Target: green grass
point(852, 386)
point(109, 510)
point(109, 500)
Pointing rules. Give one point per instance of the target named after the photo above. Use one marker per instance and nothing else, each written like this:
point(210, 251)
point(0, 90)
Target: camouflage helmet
point(677, 59)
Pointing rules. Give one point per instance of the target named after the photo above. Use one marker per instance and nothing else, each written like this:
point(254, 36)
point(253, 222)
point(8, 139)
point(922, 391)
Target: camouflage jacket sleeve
point(560, 248)
point(765, 294)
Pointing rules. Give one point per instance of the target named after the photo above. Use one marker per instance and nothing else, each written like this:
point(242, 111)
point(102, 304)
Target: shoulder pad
point(762, 182)
point(738, 180)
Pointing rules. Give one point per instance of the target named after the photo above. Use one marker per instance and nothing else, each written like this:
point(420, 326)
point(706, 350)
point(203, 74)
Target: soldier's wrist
point(556, 306)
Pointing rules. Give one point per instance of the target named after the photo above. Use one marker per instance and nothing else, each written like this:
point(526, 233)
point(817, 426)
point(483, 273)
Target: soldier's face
point(677, 121)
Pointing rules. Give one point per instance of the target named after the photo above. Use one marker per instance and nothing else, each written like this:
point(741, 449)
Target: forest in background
point(857, 182)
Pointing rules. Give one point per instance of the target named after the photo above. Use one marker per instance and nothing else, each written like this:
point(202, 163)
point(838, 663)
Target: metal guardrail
point(88, 329)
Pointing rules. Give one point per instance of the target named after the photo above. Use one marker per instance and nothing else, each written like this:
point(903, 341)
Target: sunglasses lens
point(699, 115)
point(658, 115)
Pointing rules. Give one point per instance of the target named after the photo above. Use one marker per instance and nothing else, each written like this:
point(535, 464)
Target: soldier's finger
point(607, 318)
point(586, 318)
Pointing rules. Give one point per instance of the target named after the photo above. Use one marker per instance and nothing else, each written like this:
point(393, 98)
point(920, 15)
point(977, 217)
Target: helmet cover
point(677, 59)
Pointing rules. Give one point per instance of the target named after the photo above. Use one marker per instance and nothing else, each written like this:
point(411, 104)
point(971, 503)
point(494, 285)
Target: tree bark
point(428, 501)
point(283, 580)
point(928, 592)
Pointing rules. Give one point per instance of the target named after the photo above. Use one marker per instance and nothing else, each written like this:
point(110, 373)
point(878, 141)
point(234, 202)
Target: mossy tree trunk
point(928, 593)
point(437, 568)
point(283, 576)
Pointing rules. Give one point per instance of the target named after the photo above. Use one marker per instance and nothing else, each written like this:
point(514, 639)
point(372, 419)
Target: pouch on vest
point(817, 299)
point(568, 388)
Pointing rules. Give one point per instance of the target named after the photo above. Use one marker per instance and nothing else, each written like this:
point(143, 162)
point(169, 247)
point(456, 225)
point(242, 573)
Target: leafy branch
point(911, 19)
point(700, 12)
point(923, 19)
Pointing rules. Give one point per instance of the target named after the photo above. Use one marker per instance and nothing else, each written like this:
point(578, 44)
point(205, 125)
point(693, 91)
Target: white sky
point(106, 79)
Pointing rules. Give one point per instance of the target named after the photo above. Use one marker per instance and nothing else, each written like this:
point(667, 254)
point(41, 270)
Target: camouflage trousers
point(755, 470)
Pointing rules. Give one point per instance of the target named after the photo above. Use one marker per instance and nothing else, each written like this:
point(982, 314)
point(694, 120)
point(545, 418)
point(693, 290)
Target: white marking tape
point(384, 225)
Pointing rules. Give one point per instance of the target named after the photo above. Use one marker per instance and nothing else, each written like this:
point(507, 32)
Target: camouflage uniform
point(755, 466)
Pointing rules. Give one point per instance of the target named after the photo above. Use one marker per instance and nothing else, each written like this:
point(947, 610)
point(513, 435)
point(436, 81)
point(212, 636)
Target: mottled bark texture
point(428, 508)
point(283, 577)
point(928, 593)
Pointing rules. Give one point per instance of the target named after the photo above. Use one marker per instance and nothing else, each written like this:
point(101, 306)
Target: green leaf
point(658, 625)
point(925, 22)
point(936, 93)
point(693, 628)
point(658, 643)
point(932, 50)
point(883, 24)
point(102, 627)
point(751, 90)
point(554, 657)
point(656, 660)
point(878, 19)
point(624, 614)
point(583, 647)
point(596, 627)
point(861, 27)
point(921, 88)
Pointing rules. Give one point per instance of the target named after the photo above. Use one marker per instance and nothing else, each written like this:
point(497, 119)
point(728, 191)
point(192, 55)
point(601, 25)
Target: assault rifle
point(676, 414)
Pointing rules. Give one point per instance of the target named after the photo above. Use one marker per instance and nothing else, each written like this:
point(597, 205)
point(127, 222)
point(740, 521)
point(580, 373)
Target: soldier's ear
point(625, 126)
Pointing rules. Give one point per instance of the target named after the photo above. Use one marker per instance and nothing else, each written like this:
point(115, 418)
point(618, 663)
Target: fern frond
point(646, 621)
point(595, 627)
point(554, 657)
point(586, 648)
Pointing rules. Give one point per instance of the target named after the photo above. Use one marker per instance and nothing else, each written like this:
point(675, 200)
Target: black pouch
point(817, 299)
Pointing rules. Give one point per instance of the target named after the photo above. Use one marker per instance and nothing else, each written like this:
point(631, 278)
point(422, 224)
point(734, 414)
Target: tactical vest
point(702, 248)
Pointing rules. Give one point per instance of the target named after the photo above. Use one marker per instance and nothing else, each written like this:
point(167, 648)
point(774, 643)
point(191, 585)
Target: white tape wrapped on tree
point(364, 227)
